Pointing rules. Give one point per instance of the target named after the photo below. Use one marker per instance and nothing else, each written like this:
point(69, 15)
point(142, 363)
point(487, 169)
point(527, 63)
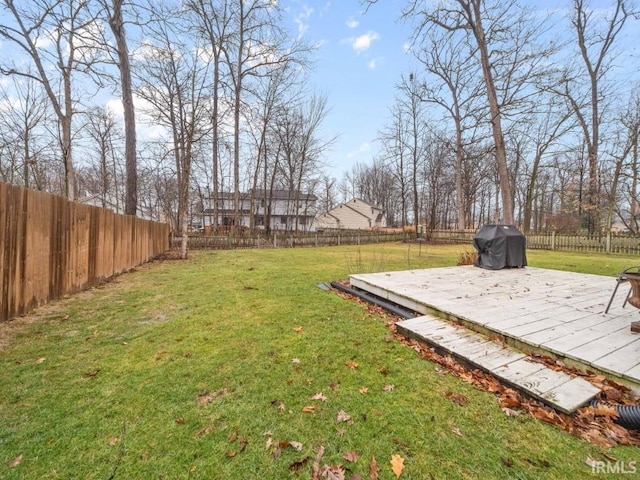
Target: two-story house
point(355, 214)
point(277, 209)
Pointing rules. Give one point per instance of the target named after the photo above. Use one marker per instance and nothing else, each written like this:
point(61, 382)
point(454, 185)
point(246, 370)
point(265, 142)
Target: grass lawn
point(208, 369)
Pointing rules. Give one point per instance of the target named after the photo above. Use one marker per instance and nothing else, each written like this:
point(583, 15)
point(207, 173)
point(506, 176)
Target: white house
point(355, 214)
point(283, 209)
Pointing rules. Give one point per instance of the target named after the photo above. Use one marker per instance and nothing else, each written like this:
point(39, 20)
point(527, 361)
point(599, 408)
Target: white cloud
point(374, 62)
point(302, 19)
point(351, 23)
point(363, 42)
point(363, 148)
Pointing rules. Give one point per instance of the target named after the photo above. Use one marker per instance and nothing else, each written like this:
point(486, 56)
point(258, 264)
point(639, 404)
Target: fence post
point(608, 242)
point(553, 240)
point(275, 240)
point(316, 239)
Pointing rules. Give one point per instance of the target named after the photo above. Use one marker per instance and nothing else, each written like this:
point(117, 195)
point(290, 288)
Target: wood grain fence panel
point(83, 230)
point(17, 210)
point(50, 246)
point(36, 275)
point(5, 254)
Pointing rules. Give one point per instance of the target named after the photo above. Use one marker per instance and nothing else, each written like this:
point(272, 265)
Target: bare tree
point(213, 21)
point(301, 146)
point(409, 101)
point(117, 25)
point(504, 46)
point(54, 34)
point(258, 44)
point(455, 88)
point(173, 79)
point(23, 125)
point(627, 146)
point(595, 41)
point(106, 137)
point(394, 138)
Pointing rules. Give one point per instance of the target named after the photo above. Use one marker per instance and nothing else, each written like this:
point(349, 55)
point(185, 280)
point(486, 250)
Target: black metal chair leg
point(618, 282)
point(627, 298)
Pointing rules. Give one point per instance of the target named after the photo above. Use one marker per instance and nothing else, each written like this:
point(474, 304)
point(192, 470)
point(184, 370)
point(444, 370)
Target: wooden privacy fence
point(50, 246)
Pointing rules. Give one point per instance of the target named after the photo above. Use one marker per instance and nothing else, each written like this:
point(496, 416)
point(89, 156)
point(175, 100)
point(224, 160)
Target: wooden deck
point(560, 314)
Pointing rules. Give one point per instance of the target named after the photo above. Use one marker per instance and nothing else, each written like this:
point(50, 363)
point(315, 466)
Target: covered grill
point(500, 246)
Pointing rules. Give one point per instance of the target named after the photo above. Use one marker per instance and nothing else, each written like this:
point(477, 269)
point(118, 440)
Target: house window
point(302, 221)
point(283, 220)
point(259, 220)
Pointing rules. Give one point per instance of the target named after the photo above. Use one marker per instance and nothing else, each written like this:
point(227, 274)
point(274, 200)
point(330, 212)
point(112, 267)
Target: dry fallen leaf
point(509, 412)
point(243, 443)
point(397, 465)
point(295, 466)
point(351, 364)
point(232, 438)
point(40, 360)
point(113, 441)
point(296, 445)
point(507, 462)
point(16, 461)
point(373, 469)
point(297, 329)
point(295, 361)
point(364, 390)
point(591, 462)
point(343, 416)
point(319, 396)
point(457, 431)
point(388, 388)
point(333, 472)
point(205, 430)
point(351, 456)
point(456, 397)
point(309, 409)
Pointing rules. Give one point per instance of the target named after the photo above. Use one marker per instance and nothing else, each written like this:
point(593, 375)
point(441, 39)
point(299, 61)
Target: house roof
point(366, 203)
point(275, 195)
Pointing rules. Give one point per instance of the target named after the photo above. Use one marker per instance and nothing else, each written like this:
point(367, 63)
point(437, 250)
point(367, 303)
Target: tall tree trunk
point(116, 23)
point(500, 152)
point(236, 121)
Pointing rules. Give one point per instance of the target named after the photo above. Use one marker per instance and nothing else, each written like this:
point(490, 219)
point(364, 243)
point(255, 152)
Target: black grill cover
point(500, 246)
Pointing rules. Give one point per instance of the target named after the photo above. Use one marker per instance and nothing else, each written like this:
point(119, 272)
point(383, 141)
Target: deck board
point(505, 363)
point(549, 310)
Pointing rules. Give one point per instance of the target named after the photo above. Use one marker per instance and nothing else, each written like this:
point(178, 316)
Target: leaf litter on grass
point(595, 426)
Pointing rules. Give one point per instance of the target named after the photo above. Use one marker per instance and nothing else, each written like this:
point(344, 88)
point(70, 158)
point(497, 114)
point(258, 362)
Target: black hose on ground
point(390, 307)
point(628, 415)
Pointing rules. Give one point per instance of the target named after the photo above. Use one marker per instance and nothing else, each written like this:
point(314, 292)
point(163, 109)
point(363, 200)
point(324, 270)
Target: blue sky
point(360, 58)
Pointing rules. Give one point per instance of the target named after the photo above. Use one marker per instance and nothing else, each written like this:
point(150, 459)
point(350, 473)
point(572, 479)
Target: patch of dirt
point(168, 255)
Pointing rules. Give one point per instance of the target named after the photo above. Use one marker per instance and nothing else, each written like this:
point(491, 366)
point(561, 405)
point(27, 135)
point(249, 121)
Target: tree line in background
point(499, 122)
point(512, 116)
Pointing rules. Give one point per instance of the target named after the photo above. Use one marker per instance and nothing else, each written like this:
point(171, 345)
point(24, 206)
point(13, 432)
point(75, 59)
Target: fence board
point(50, 246)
